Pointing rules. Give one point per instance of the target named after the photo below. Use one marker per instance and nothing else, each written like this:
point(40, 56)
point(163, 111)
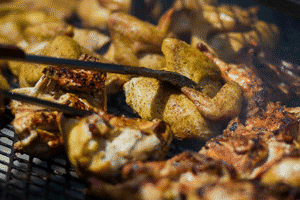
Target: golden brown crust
point(100, 144)
point(253, 145)
point(165, 102)
point(38, 128)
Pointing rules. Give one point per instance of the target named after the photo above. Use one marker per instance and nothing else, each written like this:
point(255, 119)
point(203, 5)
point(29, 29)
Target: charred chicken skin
point(38, 128)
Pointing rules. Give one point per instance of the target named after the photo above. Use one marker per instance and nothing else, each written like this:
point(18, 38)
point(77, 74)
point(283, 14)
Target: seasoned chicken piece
point(96, 13)
point(253, 145)
point(61, 47)
point(34, 49)
point(87, 38)
point(12, 25)
point(211, 17)
point(205, 18)
point(130, 39)
point(37, 128)
point(186, 176)
point(228, 45)
point(284, 171)
point(131, 36)
point(56, 8)
point(226, 29)
point(165, 102)
point(254, 89)
point(261, 80)
point(100, 144)
point(169, 179)
point(152, 99)
point(47, 31)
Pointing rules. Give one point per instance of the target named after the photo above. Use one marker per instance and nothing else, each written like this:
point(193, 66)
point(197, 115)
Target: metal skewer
point(10, 52)
point(47, 104)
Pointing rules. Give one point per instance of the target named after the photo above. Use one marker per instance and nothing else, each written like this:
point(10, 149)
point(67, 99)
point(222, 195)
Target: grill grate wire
point(26, 177)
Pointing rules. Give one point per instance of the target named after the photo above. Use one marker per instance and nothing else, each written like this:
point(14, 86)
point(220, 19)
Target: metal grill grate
point(26, 177)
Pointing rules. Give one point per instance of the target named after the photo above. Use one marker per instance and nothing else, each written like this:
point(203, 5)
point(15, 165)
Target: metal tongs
point(10, 52)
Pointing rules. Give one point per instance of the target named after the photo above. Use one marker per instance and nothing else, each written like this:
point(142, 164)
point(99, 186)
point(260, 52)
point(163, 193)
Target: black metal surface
point(47, 104)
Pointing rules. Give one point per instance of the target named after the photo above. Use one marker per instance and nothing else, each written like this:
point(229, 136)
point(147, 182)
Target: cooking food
point(58, 9)
point(13, 24)
point(284, 171)
point(228, 45)
point(62, 47)
point(227, 29)
point(235, 121)
point(37, 128)
point(164, 179)
point(90, 39)
point(169, 104)
point(268, 82)
point(130, 38)
point(187, 175)
point(100, 144)
point(96, 13)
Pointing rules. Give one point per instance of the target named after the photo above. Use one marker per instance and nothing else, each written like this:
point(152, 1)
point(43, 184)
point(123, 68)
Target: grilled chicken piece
point(59, 9)
point(13, 24)
point(163, 101)
point(227, 29)
point(100, 144)
point(228, 46)
point(244, 74)
point(284, 171)
point(87, 38)
point(260, 79)
point(130, 39)
point(165, 179)
point(37, 128)
point(96, 13)
point(62, 46)
point(188, 175)
point(252, 146)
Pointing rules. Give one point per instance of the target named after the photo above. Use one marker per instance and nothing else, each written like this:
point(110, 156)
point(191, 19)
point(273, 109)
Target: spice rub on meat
point(99, 145)
point(37, 128)
point(200, 113)
point(253, 145)
point(188, 175)
point(131, 38)
point(163, 179)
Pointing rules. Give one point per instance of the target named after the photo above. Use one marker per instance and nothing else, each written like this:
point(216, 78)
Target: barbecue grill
point(24, 176)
